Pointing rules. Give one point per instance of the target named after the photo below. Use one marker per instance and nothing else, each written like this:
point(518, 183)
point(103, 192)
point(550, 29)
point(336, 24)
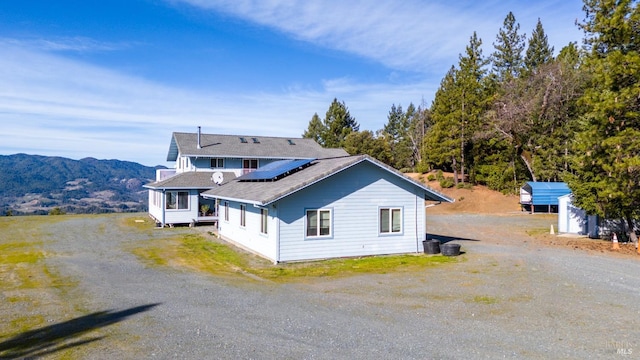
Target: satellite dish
point(217, 177)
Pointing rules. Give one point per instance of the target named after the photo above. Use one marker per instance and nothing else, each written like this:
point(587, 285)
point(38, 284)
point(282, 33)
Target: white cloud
point(424, 36)
point(51, 105)
point(79, 44)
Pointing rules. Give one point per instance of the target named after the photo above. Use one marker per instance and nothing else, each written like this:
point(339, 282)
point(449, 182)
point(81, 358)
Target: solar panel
point(275, 170)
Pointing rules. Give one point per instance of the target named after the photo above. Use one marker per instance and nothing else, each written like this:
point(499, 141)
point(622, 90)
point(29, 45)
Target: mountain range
point(35, 184)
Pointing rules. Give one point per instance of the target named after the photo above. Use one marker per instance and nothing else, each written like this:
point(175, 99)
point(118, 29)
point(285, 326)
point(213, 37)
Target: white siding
point(183, 216)
point(249, 236)
point(571, 219)
point(156, 202)
point(354, 196)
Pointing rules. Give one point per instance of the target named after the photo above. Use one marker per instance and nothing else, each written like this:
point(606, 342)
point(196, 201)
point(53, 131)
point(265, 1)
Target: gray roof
point(264, 193)
point(216, 145)
point(190, 180)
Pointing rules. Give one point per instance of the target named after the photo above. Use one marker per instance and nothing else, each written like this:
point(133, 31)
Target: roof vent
point(255, 140)
point(243, 140)
point(290, 142)
point(199, 135)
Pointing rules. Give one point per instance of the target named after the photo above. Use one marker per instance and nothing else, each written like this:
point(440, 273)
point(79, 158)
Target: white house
point(324, 208)
point(206, 161)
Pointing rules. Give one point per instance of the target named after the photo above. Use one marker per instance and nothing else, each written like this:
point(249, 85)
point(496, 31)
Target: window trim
point(318, 223)
point(249, 168)
point(219, 163)
point(178, 202)
point(264, 221)
point(391, 210)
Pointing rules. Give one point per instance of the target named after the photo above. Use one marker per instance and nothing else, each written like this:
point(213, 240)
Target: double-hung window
point(217, 163)
point(264, 218)
point(249, 165)
point(243, 215)
point(226, 211)
point(177, 200)
point(390, 220)
point(318, 222)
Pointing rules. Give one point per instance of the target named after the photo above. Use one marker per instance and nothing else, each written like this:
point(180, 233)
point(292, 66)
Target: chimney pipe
point(199, 134)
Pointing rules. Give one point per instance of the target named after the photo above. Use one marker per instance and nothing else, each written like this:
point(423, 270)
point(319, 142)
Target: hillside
point(477, 200)
point(34, 184)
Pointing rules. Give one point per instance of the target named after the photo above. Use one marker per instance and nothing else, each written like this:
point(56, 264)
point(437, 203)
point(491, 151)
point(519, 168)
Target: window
point(264, 213)
point(177, 200)
point(243, 215)
point(390, 220)
point(226, 211)
point(318, 223)
point(217, 163)
point(249, 165)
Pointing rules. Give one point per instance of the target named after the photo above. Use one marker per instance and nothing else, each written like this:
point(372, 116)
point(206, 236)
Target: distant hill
point(34, 184)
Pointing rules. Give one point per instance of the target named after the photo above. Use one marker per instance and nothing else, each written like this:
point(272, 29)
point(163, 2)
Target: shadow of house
point(445, 239)
point(64, 335)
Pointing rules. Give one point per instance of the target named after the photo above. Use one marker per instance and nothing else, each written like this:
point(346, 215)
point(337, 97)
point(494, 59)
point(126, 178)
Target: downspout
point(277, 217)
point(164, 208)
point(416, 225)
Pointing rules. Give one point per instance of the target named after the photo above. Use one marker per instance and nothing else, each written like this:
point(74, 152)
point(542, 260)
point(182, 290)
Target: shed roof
point(264, 193)
point(545, 193)
point(190, 180)
point(541, 185)
point(218, 145)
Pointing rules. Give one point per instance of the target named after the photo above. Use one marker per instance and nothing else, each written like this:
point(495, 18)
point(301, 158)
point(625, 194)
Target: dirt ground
point(480, 200)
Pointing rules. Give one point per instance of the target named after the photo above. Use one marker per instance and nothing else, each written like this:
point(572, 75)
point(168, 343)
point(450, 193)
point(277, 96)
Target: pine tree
point(315, 129)
point(507, 59)
point(538, 50)
point(456, 112)
point(364, 142)
point(606, 172)
point(397, 134)
point(338, 123)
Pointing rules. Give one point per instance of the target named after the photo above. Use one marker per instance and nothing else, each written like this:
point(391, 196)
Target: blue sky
point(113, 79)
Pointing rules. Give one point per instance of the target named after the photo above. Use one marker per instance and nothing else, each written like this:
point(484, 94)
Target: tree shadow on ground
point(445, 239)
point(64, 335)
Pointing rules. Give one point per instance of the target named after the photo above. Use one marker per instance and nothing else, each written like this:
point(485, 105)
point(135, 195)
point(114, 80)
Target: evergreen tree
point(538, 50)
point(364, 142)
point(338, 123)
point(397, 134)
point(606, 174)
point(507, 58)
point(456, 112)
point(315, 130)
point(440, 144)
point(473, 98)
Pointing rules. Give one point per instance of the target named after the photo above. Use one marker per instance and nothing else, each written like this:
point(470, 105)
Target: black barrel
point(431, 246)
point(450, 249)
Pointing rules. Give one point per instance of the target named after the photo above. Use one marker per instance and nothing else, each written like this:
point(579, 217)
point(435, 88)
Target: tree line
point(523, 114)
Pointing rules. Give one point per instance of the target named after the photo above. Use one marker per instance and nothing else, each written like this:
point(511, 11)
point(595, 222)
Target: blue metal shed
point(542, 194)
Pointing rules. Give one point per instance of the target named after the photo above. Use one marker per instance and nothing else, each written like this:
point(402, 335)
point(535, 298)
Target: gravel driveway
point(507, 297)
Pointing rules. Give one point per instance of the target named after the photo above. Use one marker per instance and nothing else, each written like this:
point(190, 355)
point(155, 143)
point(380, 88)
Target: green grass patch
point(198, 252)
point(484, 299)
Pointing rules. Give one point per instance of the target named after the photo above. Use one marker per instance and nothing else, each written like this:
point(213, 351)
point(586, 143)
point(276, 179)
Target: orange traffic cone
point(616, 246)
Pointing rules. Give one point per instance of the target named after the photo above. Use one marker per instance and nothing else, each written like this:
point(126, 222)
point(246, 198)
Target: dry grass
point(30, 290)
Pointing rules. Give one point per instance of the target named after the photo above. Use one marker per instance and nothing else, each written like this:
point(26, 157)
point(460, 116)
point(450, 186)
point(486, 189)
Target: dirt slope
point(477, 200)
